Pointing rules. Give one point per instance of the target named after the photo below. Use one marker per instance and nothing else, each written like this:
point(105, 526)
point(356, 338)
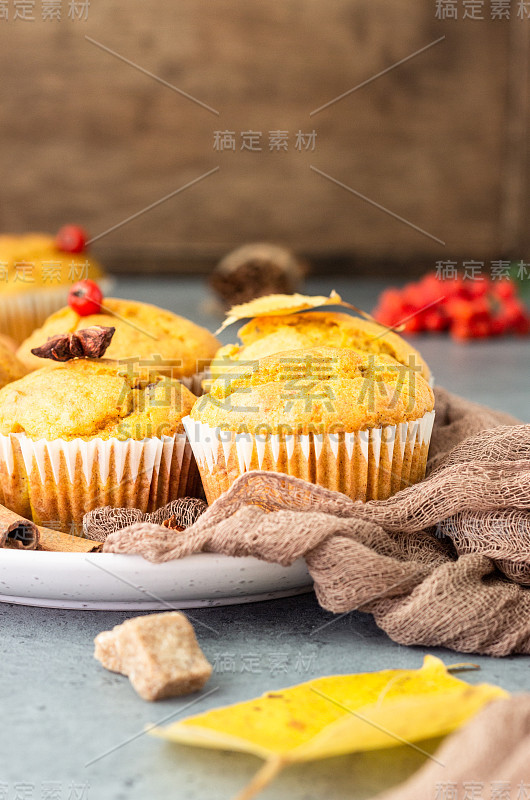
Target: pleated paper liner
point(22, 312)
point(55, 483)
point(365, 465)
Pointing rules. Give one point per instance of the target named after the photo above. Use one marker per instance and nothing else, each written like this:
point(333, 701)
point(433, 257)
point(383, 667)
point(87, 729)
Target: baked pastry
point(10, 367)
point(354, 422)
point(83, 434)
point(150, 334)
point(265, 335)
point(35, 277)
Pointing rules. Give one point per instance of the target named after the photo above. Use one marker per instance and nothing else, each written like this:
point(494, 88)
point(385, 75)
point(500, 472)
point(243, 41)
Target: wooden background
point(440, 140)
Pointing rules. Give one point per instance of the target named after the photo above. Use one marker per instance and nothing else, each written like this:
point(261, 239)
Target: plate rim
point(165, 584)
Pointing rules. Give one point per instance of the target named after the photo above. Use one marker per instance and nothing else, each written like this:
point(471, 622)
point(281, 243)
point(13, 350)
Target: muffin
point(35, 276)
point(84, 434)
point(10, 367)
point(145, 332)
point(263, 336)
point(8, 342)
point(354, 422)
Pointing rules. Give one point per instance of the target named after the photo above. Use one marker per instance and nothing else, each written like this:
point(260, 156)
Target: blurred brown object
point(255, 270)
point(172, 524)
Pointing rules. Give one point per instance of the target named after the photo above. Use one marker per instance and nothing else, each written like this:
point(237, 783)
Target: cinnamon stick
point(47, 539)
point(22, 535)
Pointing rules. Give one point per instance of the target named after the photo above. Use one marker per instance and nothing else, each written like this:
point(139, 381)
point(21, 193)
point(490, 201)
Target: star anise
point(86, 343)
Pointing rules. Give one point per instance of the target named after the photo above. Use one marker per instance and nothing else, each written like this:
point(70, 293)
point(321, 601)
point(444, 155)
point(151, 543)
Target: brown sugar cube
point(159, 653)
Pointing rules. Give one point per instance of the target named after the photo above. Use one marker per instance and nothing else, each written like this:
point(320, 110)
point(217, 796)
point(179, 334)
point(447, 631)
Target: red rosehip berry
point(522, 326)
point(414, 324)
point(514, 311)
point(461, 331)
point(505, 289)
point(497, 326)
point(480, 329)
point(452, 287)
point(480, 308)
point(432, 288)
point(391, 299)
point(477, 288)
point(413, 296)
point(71, 239)
point(85, 298)
point(434, 320)
point(383, 316)
point(459, 310)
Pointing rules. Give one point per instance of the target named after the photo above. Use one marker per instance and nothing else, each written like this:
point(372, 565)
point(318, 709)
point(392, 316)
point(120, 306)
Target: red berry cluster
point(467, 309)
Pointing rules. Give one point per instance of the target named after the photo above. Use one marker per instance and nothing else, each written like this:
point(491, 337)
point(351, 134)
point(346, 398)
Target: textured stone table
point(61, 710)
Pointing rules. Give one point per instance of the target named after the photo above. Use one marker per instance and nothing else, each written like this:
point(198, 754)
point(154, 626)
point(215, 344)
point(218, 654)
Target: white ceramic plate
point(105, 581)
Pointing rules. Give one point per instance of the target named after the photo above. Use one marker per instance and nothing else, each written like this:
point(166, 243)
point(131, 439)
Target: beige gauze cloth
point(445, 562)
point(487, 759)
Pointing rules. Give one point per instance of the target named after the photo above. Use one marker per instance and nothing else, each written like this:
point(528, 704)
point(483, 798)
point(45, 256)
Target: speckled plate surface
point(105, 581)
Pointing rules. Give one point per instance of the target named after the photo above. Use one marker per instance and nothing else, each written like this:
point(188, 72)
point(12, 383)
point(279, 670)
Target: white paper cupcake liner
point(21, 313)
point(366, 465)
point(56, 482)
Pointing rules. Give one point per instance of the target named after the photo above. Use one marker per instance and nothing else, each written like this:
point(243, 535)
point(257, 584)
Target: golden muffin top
point(143, 331)
point(315, 390)
point(94, 399)
point(10, 367)
point(263, 336)
point(32, 262)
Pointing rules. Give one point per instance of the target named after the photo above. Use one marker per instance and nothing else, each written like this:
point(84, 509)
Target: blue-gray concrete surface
point(72, 728)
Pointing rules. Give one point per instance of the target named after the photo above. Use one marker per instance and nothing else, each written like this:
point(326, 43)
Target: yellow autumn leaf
point(335, 715)
point(274, 305)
